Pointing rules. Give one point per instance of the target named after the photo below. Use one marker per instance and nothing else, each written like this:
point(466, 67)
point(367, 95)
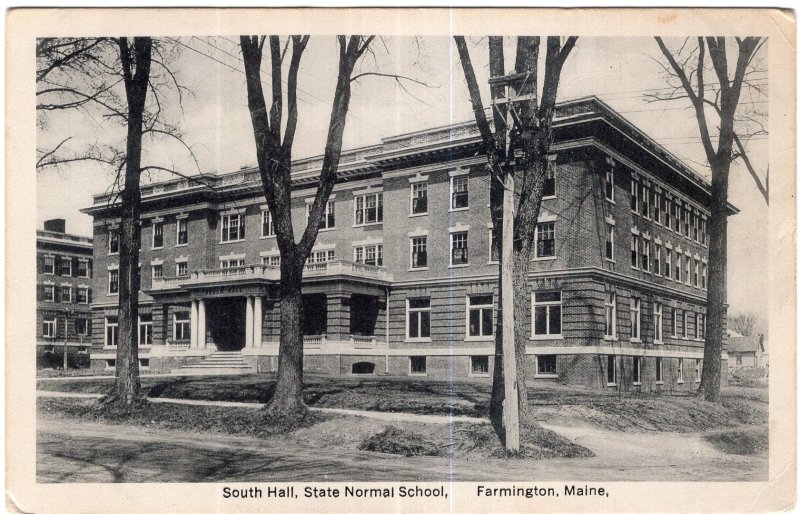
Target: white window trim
point(242, 221)
point(181, 218)
point(614, 336)
point(698, 370)
point(54, 324)
point(636, 307)
point(615, 368)
point(53, 257)
point(411, 213)
point(68, 287)
point(538, 337)
point(330, 205)
point(175, 327)
point(468, 305)
point(610, 171)
point(411, 238)
point(536, 373)
point(153, 223)
point(547, 218)
point(658, 326)
point(53, 296)
point(499, 250)
point(83, 288)
point(454, 175)
point(659, 370)
point(679, 371)
point(116, 231)
point(108, 290)
point(364, 194)
point(408, 337)
point(139, 331)
point(472, 373)
point(453, 231)
point(637, 370)
point(105, 332)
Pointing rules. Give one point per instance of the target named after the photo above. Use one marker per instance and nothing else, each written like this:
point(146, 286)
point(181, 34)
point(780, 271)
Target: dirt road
point(75, 451)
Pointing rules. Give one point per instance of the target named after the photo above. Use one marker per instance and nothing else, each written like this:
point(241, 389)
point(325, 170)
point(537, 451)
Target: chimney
point(56, 225)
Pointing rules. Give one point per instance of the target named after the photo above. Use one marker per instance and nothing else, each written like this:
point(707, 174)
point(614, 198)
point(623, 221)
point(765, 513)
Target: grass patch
point(536, 443)
point(743, 441)
point(192, 418)
point(401, 442)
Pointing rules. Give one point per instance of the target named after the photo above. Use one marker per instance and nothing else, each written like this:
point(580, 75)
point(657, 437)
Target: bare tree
point(746, 323)
point(274, 155)
point(110, 78)
point(533, 136)
point(715, 105)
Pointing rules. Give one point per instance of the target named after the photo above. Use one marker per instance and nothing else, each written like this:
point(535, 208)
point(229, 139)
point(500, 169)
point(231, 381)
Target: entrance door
point(225, 322)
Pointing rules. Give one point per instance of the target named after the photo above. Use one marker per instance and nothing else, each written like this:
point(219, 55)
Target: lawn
point(551, 402)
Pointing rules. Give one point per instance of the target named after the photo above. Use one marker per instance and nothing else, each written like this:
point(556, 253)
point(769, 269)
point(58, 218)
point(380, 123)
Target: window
point(65, 266)
point(230, 263)
point(479, 316)
point(645, 196)
point(113, 241)
point(321, 256)
point(83, 268)
point(658, 315)
point(659, 371)
point(419, 198)
point(701, 327)
point(693, 223)
point(267, 225)
point(112, 326)
point(83, 294)
point(181, 269)
point(158, 234)
point(610, 230)
point(703, 232)
point(549, 185)
point(158, 270)
point(674, 322)
point(704, 276)
point(459, 193)
point(83, 327)
point(113, 281)
point(182, 228)
point(686, 221)
point(656, 206)
point(49, 293)
point(668, 264)
point(49, 328)
point(546, 239)
point(698, 369)
point(479, 364)
point(459, 249)
point(49, 265)
point(232, 227)
point(611, 370)
point(635, 251)
point(696, 273)
point(634, 196)
point(685, 326)
point(419, 318)
point(418, 365)
point(637, 371)
point(609, 183)
point(328, 219)
point(646, 255)
point(611, 315)
point(66, 294)
point(145, 329)
point(369, 254)
point(546, 313)
point(494, 247)
point(636, 319)
point(677, 268)
point(546, 364)
point(680, 371)
point(657, 260)
point(419, 252)
point(181, 326)
point(738, 359)
point(676, 216)
point(271, 260)
point(369, 209)
point(688, 269)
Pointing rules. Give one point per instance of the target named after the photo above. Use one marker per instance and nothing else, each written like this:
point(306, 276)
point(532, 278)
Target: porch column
point(338, 326)
point(248, 326)
point(193, 325)
point(258, 321)
point(201, 323)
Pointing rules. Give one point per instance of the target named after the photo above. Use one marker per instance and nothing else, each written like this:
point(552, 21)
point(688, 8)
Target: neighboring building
point(403, 276)
point(63, 292)
point(746, 351)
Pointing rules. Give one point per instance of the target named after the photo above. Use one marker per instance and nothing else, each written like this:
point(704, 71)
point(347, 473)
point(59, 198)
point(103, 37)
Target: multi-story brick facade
point(63, 291)
point(403, 278)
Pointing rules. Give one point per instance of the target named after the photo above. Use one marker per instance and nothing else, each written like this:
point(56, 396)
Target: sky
point(215, 122)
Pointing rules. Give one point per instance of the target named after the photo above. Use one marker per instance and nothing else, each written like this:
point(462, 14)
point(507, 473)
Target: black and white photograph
point(335, 260)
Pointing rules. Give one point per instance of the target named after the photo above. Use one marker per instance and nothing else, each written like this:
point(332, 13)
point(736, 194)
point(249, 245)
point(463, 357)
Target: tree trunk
point(717, 284)
point(287, 401)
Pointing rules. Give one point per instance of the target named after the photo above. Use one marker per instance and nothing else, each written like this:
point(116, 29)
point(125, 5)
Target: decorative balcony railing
point(363, 342)
point(314, 341)
point(271, 273)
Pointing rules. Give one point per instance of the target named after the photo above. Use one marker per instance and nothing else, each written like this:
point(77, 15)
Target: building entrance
point(225, 323)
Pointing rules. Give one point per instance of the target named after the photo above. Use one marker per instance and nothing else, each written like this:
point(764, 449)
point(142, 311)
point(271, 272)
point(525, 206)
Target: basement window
point(363, 368)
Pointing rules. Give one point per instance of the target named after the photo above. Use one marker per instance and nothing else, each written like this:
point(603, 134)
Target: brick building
point(403, 277)
point(63, 292)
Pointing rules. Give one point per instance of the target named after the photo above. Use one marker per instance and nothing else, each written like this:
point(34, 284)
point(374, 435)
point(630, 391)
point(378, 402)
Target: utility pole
point(509, 106)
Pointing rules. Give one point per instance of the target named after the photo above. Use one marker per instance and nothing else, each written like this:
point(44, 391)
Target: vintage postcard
point(370, 260)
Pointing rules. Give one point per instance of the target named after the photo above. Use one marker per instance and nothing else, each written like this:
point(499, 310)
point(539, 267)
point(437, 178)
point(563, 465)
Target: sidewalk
point(383, 416)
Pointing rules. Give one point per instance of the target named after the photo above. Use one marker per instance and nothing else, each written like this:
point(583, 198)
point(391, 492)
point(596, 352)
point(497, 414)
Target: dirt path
point(76, 451)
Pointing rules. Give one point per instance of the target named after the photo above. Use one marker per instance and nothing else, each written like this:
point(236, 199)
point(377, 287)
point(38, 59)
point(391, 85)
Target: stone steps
point(218, 363)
